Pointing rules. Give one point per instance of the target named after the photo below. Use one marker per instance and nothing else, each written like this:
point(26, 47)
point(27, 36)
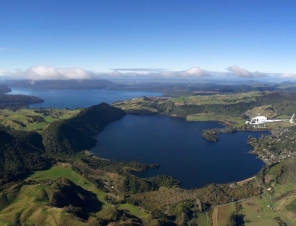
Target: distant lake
point(56, 98)
point(177, 145)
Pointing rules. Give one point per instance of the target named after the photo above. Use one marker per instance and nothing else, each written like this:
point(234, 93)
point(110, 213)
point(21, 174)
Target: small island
point(212, 134)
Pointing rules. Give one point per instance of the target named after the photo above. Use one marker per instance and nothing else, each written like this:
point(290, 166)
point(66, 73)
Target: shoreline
point(245, 180)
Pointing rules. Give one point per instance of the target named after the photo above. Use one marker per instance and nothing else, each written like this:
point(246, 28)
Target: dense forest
point(4, 89)
point(20, 152)
point(76, 134)
point(17, 101)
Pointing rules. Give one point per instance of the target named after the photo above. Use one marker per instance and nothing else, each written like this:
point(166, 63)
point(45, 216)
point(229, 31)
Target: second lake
point(177, 145)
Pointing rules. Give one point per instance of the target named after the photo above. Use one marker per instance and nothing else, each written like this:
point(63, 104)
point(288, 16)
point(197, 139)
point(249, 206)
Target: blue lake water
point(56, 98)
point(177, 145)
point(174, 143)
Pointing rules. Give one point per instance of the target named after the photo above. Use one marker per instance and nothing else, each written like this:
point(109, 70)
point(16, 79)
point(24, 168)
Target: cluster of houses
point(274, 149)
point(109, 185)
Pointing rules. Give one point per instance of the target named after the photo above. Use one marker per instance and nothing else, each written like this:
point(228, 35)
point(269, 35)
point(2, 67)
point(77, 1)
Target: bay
point(177, 145)
point(67, 98)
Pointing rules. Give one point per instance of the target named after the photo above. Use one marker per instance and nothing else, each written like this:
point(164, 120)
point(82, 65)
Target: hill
point(230, 108)
point(33, 119)
point(4, 89)
point(76, 134)
point(23, 151)
point(20, 152)
point(60, 196)
point(17, 101)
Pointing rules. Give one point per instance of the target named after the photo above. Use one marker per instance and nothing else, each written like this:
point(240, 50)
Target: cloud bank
point(194, 72)
point(139, 69)
point(243, 73)
point(49, 73)
point(288, 76)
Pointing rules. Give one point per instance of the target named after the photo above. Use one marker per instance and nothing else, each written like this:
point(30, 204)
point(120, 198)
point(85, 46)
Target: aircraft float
point(261, 120)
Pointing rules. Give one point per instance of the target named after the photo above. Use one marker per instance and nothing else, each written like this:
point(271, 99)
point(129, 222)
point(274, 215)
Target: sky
point(61, 39)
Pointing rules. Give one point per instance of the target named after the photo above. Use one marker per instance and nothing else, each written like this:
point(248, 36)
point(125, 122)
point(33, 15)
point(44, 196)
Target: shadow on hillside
point(74, 198)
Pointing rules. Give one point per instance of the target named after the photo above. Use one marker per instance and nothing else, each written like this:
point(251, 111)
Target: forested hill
point(17, 101)
point(76, 134)
point(20, 152)
point(4, 89)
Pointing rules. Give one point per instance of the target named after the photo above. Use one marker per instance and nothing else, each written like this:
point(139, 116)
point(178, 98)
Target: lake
point(174, 143)
point(177, 145)
point(56, 98)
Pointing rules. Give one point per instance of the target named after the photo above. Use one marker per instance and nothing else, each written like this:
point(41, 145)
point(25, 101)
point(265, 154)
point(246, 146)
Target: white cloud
point(243, 73)
point(139, 69)
point(287, 76)
point(193, 72)
point(50, 73)
point(196, 72)
point(240, 72)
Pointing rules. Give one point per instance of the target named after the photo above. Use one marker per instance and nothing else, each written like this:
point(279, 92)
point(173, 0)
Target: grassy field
point(238, 122)
point(148, 105)
point(265, 110)
point(23, 119)
point(136, 104)
point(215, 117)
point(216, 99)
point(261, 210)
point(27, 208)
point(204, 219)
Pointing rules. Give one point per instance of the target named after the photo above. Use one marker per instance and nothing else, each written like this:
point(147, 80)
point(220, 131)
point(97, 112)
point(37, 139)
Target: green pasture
point(134, 210)
point(28, 208)
point(204, 219)
point(137, 104)
point(262, 210)
point(8, 118)
point(224, 212)
point(56, 172)
point(216, 117)
point(217, 98)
